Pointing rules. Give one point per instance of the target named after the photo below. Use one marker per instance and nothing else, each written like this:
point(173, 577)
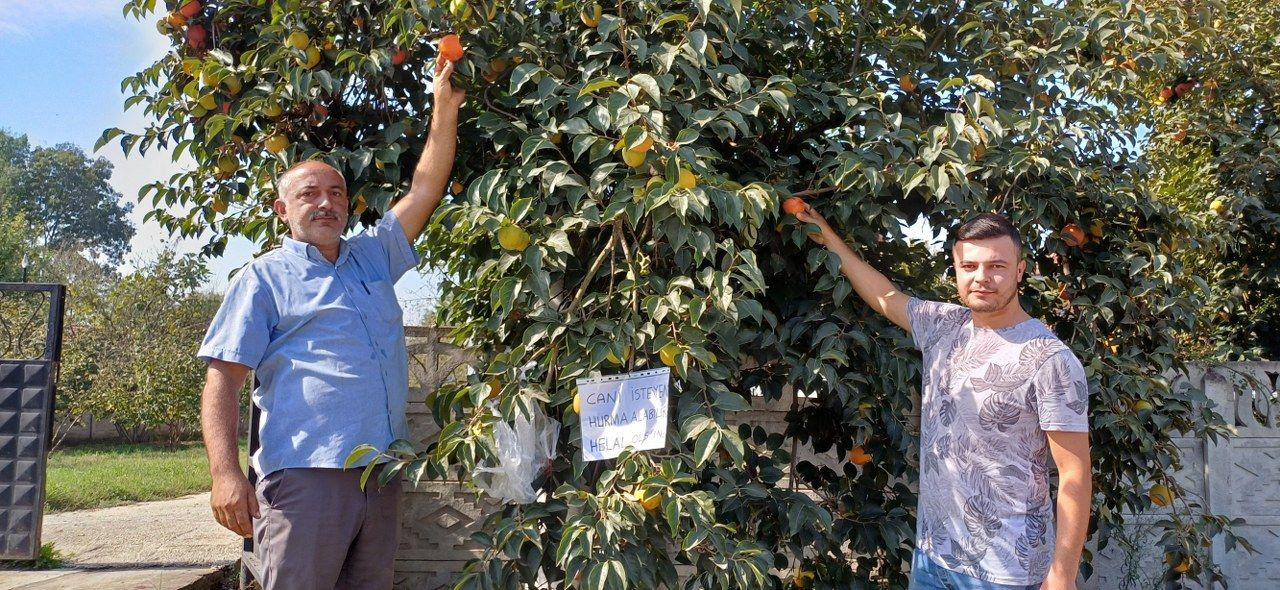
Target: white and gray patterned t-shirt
point(988, 397)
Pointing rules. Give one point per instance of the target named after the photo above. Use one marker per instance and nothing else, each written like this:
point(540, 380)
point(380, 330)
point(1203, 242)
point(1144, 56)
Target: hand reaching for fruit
point(446, 94)
point(810, 215)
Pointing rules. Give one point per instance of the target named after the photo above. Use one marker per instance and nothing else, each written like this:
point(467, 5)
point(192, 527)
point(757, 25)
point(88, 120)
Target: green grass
point(97, 476)
point(49, 558)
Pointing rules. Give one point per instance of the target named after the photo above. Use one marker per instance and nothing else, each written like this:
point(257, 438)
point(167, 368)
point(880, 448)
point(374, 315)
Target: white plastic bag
point(522, 454)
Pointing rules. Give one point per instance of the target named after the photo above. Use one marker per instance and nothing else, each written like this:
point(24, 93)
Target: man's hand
point(828, 235)
point(446, 96)
point(1059, 582)
point(234, 503)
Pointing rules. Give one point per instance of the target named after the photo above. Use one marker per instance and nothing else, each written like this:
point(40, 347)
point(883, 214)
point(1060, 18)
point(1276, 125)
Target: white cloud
point(24, 17)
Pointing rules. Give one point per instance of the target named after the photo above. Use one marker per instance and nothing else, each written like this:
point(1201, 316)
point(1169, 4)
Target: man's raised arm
point(433, 169)
point(872, 286)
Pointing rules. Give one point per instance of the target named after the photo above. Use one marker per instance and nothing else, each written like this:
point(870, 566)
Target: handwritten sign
point(620, 411)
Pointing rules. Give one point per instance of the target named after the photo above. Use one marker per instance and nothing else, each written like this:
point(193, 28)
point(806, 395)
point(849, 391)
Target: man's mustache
point(323, 215)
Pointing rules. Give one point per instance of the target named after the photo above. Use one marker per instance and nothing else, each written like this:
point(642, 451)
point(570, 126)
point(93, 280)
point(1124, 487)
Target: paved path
point(150, 545)
point(200, 578)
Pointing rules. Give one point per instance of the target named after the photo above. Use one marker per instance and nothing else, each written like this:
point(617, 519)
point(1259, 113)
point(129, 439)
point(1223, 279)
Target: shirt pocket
point(384, 308)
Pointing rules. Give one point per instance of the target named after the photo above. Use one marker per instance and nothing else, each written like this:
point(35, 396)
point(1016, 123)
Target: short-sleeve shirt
point(989, 396)
point(326, 343)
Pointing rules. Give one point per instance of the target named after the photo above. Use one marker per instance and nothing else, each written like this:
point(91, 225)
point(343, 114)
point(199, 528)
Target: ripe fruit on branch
point(1073, 235)
point(451, 47)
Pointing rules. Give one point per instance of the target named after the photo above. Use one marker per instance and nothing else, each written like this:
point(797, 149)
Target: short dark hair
point(985, 226)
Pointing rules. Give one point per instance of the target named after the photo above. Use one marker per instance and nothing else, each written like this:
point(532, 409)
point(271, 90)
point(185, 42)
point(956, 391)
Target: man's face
point(987, 273)
point(313, 202)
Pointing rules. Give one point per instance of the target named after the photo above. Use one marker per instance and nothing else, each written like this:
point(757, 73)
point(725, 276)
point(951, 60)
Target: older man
point(1001, 394)
point(318, 322)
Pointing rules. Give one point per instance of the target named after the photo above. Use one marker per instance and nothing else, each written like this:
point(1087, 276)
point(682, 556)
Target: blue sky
point(61, 63)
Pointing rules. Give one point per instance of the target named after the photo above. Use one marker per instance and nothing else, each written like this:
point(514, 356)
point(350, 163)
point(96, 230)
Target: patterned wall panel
point(1237, 477)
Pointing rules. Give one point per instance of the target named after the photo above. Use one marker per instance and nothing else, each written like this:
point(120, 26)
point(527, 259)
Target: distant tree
point(12, 246)
point(140, 370)
point(65, 196)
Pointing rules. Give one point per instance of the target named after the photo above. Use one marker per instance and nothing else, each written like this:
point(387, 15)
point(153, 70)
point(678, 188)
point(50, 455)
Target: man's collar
point(312, 253)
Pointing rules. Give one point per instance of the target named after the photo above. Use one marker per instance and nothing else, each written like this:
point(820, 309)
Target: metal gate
point(27, 382)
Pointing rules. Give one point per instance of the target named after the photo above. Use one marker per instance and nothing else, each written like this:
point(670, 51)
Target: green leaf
point(521, 74)
point(597, 84)
point(358, 453)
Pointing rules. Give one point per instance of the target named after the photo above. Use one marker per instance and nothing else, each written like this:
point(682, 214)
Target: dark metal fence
point(27, 391)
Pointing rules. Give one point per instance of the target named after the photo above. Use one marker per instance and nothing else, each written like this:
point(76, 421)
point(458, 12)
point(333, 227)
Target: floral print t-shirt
point(988, 398)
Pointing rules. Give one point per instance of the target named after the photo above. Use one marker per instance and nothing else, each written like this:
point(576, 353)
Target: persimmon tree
point(617, 206)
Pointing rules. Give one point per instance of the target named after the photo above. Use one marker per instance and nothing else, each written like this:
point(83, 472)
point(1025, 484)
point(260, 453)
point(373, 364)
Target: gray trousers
point(319, 530)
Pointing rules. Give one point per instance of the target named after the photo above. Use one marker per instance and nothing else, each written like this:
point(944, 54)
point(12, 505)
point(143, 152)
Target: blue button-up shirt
point(326, 343)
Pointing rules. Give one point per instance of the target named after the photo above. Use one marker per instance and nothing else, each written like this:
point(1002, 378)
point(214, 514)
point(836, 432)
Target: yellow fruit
point(456, 188)
point(494, 387)
point(1218, 207)
point(1141, 406)
point(1183, 566)
point(276, 143)
point(591, 16)
point(687, 179)
point(208, 102)
point(626, 356)
point(312, 59)
point(176, 20)
point(461, 10)
point(859, 456)
point(669, 353)
point(633, 159)
point(1160, 495)
point(577, 403)
point(219, 206)
point(227, 165)
point(233, 85)
point(645, 144)
point(361, 205)
point(298, 40)
point(648, 501)
point(511, 237)
point(271, 109)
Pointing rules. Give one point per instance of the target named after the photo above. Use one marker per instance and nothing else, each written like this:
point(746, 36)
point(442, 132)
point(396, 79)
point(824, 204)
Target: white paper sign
point(620, 411)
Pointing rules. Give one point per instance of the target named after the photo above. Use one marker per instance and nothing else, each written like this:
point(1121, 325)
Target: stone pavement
point(172, 544)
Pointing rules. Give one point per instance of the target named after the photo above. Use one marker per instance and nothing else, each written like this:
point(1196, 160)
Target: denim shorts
point(927, 575)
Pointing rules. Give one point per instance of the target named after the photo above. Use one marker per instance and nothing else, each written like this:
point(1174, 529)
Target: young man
point(318, 322)
point(1001, 393)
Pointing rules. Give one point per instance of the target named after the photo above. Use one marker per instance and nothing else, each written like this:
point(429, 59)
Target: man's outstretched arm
point(432, 172)
point(870, 284)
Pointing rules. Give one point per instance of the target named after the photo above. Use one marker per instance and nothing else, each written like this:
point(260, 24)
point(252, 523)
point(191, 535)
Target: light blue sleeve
point(241, 330)
point(390, 238)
